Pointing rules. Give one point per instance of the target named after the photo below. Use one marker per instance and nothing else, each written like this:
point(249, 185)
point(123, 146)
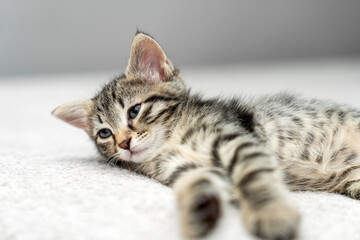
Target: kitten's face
point(132, 116)
point(130, 120)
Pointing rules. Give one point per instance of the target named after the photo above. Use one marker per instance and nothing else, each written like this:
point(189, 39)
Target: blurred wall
point(43, 36)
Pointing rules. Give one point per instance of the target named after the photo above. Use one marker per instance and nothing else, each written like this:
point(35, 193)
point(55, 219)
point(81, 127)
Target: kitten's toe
point(201, 216)
point(352, 189)
point(275, 222)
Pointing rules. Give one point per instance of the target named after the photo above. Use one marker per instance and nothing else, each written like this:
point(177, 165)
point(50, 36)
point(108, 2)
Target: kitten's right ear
point(147, 60)
point(75, 113)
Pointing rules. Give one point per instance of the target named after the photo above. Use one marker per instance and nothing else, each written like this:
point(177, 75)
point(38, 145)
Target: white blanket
point(53, 186)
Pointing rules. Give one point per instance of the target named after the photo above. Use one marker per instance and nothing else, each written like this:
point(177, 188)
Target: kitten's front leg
point(265, 208)
point(201, 193)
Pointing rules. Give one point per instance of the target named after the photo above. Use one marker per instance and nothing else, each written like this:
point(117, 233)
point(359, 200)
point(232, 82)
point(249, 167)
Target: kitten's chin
point(139, 156)
point(135, 156)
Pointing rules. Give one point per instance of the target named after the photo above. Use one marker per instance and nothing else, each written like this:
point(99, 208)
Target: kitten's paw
point(201, 216)
point(352, 189)
point(278, 222)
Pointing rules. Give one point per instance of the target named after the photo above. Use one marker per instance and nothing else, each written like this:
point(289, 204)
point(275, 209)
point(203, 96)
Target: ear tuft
point(148, 60)
point(141, 32)
point(75, 113)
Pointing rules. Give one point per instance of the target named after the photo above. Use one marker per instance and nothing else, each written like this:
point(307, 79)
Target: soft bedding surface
point(54, 186)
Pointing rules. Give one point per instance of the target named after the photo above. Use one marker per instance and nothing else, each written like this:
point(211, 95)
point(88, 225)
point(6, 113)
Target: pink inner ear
point(75, 115)
point(152, 61)
point(77, 121)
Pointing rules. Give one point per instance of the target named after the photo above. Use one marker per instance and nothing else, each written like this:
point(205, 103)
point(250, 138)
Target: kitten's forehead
point(120, 91)
point(112, 102)
point(125, 90)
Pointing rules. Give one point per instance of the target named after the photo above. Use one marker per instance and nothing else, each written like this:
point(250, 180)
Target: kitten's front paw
point(352, 189)
point(278, 222)
point(200, 216)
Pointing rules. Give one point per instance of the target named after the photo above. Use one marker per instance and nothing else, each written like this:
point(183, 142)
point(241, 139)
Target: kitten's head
point(132, 116)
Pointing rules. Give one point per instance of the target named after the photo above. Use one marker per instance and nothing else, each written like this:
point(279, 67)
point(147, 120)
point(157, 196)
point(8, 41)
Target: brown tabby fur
point(212, 150)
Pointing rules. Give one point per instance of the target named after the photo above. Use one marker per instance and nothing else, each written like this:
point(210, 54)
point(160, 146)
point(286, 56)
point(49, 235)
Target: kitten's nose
point(125, 144)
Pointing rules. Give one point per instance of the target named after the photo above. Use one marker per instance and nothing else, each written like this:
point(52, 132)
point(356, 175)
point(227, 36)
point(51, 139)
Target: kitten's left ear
point(148, 60)
point(76, 113)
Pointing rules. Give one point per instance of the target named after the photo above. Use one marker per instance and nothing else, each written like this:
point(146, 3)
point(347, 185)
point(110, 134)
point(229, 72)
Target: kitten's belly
point(316, 153)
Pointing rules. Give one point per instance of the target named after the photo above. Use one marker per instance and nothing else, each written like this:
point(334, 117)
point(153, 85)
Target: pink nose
point(125, 144)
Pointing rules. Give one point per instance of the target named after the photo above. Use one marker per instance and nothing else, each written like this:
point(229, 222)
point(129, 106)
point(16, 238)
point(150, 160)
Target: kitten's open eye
point(105, 133)
point(134, 111)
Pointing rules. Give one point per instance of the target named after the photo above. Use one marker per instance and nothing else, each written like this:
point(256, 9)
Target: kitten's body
point(315, 142)
point(208, 149)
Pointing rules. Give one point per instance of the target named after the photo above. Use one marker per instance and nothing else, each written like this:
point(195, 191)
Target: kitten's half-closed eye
point(134, 111)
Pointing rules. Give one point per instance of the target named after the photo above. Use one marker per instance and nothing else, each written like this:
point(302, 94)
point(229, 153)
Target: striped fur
point(210, 150)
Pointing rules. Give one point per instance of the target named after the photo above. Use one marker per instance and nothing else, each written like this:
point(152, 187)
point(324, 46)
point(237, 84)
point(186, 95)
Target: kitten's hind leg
point(201, 193)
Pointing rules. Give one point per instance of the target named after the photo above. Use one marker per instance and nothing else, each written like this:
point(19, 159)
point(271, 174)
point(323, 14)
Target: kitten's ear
point(75, 113)
point(148, 60)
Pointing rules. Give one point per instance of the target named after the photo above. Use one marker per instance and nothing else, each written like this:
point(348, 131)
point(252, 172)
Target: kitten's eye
point(105, 133)
point(134, 111)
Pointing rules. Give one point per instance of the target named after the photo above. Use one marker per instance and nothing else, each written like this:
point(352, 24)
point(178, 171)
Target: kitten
point(211, 150)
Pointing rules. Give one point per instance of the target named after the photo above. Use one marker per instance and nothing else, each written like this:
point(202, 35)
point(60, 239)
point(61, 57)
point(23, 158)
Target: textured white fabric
point(52, 185)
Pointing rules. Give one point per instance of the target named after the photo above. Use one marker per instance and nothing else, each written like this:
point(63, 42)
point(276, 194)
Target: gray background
point(42, 36)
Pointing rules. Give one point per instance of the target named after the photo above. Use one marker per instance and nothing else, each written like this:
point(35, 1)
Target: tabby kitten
point(210, 151)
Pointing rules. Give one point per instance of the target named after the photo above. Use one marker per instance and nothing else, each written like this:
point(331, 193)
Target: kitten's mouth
point(137, 152)
point(133, 153)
